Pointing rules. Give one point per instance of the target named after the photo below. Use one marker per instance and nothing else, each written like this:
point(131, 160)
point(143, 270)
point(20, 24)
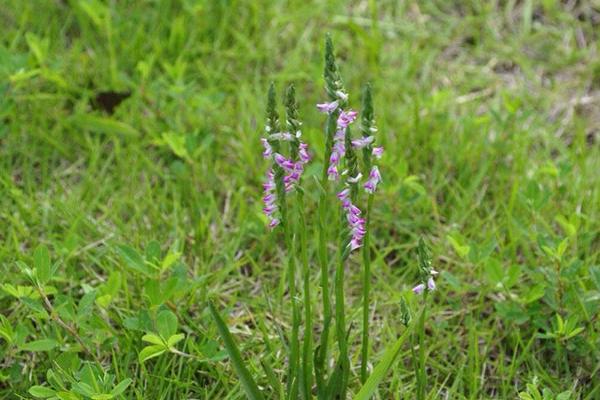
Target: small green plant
point(533, 392)
point(72, 380)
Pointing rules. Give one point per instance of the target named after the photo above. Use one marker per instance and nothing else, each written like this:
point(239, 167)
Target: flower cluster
point(365, 143)
point(355, 222)
point(426, 272)
point(337, 152)
point(430, 284)
point(270, 199)
point(293, 171)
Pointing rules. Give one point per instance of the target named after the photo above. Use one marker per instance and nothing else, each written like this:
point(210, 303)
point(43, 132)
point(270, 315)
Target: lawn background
point(490, 116)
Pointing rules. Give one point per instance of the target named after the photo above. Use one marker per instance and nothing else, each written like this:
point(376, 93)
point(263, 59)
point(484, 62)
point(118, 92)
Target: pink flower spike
point(419, 288)
point(430, 284)
point(377, 152)
point(327, 107)
point(363, 142)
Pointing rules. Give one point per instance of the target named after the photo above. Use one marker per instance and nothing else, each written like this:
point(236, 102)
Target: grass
point(489, 115)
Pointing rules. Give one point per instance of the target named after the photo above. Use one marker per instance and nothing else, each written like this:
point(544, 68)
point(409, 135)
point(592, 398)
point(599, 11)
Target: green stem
point(292, 384)
point(308, 325)
point(340, 316)
point(366, 291)
point(422, 381)
point(323, 260)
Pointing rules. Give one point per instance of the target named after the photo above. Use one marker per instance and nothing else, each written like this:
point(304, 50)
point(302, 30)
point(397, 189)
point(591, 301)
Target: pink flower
point(268, 149)
point(363, 142)
point(419, 288)
point(284, 162)
point(430, 284)
point(285, 136)
point(303, 153)
point(332, 173)
point(328, 107)
point(344, 194)
point(335, 157)
point(374, 179)
point(377, 152)
point(346, 118)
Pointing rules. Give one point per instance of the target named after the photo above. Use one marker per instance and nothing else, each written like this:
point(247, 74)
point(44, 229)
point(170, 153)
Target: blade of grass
point(382, 368)
point(248, 383)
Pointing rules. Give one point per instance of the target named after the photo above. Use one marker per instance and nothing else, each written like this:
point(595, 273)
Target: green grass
point(489, 115)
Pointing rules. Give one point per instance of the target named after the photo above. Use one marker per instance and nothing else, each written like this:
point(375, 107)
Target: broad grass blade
point(382, 368)
point(248, 383)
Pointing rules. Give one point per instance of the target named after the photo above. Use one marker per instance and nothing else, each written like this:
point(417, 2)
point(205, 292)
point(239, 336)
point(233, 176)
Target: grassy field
point(129, 137)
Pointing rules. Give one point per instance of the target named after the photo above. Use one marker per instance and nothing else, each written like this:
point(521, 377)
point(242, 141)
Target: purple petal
point(430, 284)
point(419, 288)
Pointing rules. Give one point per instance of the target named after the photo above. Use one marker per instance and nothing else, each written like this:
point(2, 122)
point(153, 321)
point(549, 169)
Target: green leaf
point(35, 305)
point(154, 339)
point(102, 396)
point(41, 392)
point(564, 395)
point(41, 263)
point(67, 396)
point(86, 305)
point(170, 259)
point(84, 389)
point(460, 248)
point(382, 368)
point(149, 352)
point(39, 47)
point(494, 272)
point(133, 259)
point(534, 293)
point(166, 323)
point(242, 372)
point(173, 340)
point(40, 345)
point(120, 388)
point(176, 143)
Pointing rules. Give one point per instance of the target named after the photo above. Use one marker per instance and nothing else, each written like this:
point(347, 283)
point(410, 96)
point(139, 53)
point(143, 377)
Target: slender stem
point(340, 317)
point(71, 330)
point(291, 277)
point(308, 325)
point(422, 381)
point(366, 284)
point(323, 259)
